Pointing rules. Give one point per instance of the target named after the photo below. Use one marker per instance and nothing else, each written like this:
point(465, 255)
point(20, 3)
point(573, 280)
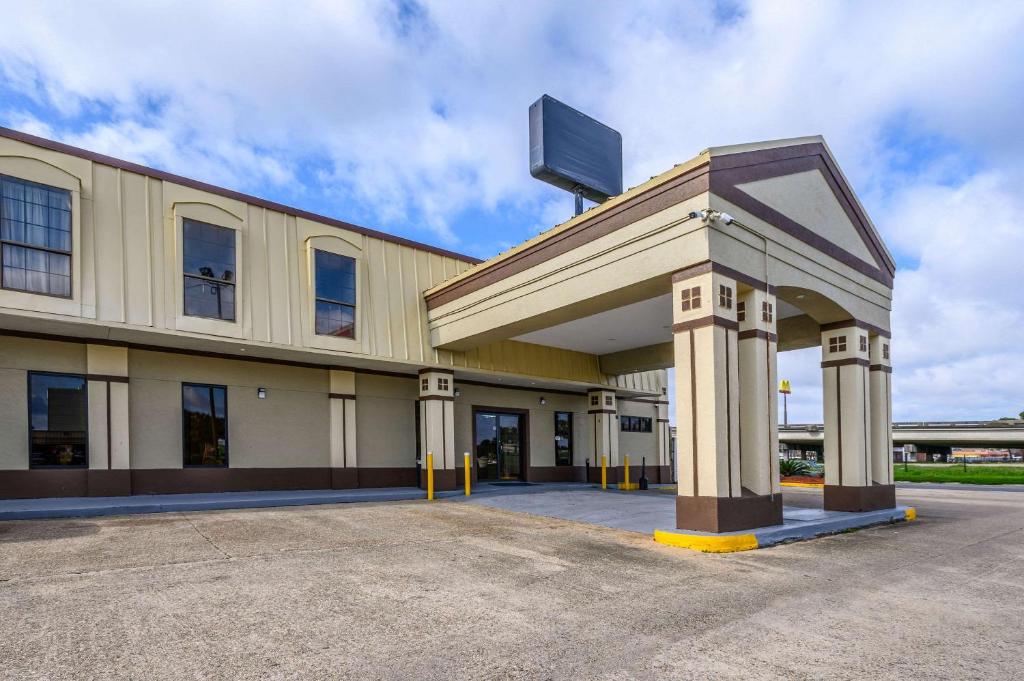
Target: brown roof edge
point(62, 148)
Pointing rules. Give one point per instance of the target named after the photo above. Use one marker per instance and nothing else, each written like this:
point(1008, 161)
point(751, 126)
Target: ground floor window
point(205, 418)
point(635, 424)
point(58, 421)
point(563, 438)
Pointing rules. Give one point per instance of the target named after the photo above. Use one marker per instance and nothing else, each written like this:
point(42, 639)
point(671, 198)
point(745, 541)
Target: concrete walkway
point(80, 507)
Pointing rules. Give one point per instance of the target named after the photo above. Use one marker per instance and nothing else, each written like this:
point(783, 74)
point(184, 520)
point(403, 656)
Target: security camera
point(726, 218)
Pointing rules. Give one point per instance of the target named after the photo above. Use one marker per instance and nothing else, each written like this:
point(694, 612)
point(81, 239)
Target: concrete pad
point(654, 514)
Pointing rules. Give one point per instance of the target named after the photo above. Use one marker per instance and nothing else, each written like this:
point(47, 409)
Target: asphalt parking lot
point(453, 590)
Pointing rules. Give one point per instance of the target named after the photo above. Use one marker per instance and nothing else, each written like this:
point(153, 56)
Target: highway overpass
point(926, 436)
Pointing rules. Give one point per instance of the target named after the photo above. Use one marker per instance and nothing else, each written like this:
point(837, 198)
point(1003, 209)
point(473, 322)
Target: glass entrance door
point(499, 446)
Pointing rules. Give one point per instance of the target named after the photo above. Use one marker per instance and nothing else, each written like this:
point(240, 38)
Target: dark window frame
point(569, 414)
point(214, 281)
point(184, 428)
point(45, 249)
point(28, 389)
point(332, 301)
point(636, 424)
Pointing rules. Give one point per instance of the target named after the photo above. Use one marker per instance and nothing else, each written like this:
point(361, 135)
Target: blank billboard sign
point(571, 150)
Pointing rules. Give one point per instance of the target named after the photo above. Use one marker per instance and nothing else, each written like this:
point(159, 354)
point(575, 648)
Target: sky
point(410, 117)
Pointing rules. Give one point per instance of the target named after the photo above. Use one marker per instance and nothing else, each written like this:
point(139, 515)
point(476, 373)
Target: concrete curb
point(813, 485)
point(727, 542)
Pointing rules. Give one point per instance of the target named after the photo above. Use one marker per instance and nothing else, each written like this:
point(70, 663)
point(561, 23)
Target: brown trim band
point(710, 320)
point(602, 411)
point(855, 324)
point(107, 378)
point(661, 420)
point(145, 347)
point(437, 398)
point(450, 372)
point(719, 268)
point(641, 400)
point(340, 396)
point(844, 362)
point(758, 333)
point(881, 367)
point(655, 199)
point(221, 191)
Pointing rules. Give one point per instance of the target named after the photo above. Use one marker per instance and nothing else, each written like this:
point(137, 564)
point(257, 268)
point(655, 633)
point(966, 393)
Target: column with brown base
point(344, 459)
point(437, 426)
point(664, 440)
point(109, 466)
point(705, 329)
point(880, 377)
point(603, 422)
point(759, 422)
point(849, 485)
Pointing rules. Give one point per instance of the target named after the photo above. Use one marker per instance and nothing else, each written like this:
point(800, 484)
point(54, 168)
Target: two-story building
point(158, 334)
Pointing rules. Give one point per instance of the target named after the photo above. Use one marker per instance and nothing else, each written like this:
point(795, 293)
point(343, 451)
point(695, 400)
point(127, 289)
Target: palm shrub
point(788, 467)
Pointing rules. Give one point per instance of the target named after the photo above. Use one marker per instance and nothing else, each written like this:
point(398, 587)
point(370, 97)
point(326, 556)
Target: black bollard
point(642, 482)
point(587, 462)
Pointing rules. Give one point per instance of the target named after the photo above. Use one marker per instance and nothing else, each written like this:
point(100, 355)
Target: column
point(880, 373)
point(109, 464)
point(344, 459)
point(664, 435)
point(759, 421)
point(705, 332)
point(437, 425)
point(847, 406)
point(602, 415)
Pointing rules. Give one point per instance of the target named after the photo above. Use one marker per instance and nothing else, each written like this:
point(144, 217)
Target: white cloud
point(418, 114)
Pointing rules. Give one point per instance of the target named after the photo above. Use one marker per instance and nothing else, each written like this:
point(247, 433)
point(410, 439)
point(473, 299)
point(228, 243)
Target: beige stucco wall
point(639, 445)
point(290, 428)
point(386, 421)
point(18, 356)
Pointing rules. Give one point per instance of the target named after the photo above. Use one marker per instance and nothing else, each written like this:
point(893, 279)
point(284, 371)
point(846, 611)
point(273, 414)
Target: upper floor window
point(209, 264)
point(442, 384)
point(837, 344)
point(335, 294)
point(767, 312)
point(741, 311)
point(885, 351)
point(595, 400)
point(35, 233)
point(58, 421)
point(863, 343)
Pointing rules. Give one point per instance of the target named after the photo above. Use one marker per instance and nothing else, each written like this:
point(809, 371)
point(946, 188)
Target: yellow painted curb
point(911, 513)
point(814, 485)
point(706, 543)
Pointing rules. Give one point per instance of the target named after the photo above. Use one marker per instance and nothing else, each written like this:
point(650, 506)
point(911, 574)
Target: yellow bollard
point(430, 476)
point(466, 472)
point(604, 472)
point(625, 461)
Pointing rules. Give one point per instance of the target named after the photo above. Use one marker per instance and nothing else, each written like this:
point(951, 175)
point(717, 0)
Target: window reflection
point(205, 425)
point(58, 417)
point(209, 269)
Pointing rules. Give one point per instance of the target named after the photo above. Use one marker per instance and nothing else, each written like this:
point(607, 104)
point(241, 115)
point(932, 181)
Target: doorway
point(498, 442)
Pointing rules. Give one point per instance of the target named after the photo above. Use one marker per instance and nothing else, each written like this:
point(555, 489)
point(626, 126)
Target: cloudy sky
point(411, 117)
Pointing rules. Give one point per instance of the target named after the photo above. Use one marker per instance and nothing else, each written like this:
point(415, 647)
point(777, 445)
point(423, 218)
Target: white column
point(881, 409)
point(603, 421)
point(664, 436)
point(849, 446)
point(759, 429)
point(107, 368)
point(344, 457)
point(437, 424)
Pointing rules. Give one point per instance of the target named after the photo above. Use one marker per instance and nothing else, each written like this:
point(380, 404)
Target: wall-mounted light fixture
point(261, 393)
point(458, 393)
point(543, 400)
